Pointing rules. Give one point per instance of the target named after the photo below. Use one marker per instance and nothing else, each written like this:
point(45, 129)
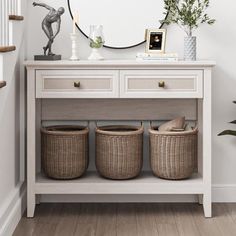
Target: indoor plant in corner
point(229, 132)
point(188, 14)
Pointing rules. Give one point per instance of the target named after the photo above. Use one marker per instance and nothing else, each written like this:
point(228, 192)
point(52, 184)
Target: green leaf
point(233, 122)
point(188, 14)
point(228, 132)
point(97, 43)
point(211, 22)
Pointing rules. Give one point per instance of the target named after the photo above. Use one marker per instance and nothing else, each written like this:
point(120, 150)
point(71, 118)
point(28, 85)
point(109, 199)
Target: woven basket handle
point(195, 127)
point(151, 124)
point(141, 124)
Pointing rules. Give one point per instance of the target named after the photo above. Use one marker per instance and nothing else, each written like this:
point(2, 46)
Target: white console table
point(118, 90)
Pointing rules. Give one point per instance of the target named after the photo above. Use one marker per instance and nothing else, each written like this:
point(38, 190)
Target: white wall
point(216, 42)
point(12, 188)
point(11, 177)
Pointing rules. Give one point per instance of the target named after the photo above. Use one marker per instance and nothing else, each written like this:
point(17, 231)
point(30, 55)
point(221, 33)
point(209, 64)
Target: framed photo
point(156, 40)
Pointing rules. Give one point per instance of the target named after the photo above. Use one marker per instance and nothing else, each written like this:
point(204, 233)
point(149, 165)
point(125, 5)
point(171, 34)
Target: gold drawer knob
point(161, 84)
point(77, 84)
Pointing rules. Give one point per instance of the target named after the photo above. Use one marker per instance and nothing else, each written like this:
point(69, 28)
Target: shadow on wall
point(224, 110)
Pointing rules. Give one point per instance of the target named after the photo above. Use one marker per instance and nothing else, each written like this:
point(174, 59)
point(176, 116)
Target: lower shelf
point(92, 183)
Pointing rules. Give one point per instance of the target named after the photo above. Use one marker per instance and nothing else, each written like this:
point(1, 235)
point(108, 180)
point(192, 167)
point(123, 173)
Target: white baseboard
point(12, 211)
point(224, 193)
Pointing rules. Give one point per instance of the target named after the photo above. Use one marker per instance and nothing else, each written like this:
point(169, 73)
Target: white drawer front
point(161, 84)
point(77, 84)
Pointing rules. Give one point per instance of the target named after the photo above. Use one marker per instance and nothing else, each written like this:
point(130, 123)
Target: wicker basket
point(173, 155)
point(119, 151)
point(64, 151)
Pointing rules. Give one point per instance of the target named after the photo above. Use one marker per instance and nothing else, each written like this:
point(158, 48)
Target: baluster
point(7, 22)
point(10, 12)
point(13, 7)
point(10, 7)
point(3, 22)
point(7, 7)
point(16, 7)
point(1, 29)
point(19, 7)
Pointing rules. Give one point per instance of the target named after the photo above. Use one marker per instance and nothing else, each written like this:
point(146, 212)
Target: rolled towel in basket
point(176, 124)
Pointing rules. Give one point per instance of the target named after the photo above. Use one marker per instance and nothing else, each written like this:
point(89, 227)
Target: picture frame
point(155, 40)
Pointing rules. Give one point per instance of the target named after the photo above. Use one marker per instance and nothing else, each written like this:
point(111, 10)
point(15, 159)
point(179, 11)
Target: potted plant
point(229, 132)
point(188, 14)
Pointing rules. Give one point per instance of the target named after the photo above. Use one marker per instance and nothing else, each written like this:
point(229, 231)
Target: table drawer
point(161, 84)
point(77, 84)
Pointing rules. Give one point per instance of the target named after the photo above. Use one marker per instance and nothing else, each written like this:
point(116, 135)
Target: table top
point(119, 63)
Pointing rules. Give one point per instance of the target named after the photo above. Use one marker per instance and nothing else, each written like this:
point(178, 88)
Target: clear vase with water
point(96, 41)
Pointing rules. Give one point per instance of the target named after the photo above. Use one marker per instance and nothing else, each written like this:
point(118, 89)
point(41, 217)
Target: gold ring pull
point(161, 84)
point(77, 84)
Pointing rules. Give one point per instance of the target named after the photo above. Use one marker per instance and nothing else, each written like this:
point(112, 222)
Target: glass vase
point(96, 41)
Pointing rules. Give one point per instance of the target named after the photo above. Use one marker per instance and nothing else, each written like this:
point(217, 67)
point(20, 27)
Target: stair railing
point(9, 10)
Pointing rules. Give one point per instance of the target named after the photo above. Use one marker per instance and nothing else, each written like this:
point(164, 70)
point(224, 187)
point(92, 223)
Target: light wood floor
point(128, 220)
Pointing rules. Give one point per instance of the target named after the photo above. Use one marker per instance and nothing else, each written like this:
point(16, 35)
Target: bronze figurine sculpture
point(54, 16)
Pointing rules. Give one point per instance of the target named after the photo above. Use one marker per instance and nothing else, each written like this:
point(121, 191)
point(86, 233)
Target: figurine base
point(47, 58)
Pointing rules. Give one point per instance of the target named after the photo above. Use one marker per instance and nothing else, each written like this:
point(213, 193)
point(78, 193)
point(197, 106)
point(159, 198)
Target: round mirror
point(124, 21)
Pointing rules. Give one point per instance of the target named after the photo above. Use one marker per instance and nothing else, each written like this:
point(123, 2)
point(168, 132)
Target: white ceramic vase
point(190, 51)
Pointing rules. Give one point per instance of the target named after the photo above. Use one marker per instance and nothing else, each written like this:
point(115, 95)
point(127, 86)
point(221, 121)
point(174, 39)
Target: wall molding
point(224, 193)
point(12, 210)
